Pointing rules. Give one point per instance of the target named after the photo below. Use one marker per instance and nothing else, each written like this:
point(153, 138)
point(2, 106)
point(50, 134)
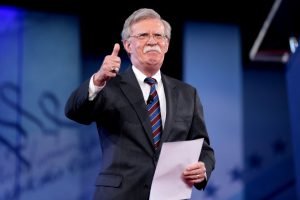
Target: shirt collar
point(141, 77)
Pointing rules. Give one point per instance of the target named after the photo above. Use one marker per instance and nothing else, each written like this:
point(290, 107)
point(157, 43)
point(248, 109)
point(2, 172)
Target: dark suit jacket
point(128, 156)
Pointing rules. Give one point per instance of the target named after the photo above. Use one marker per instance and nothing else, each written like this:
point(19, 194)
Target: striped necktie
point(154, 112)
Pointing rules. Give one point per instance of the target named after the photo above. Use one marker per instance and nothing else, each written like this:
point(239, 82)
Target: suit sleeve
point(78, 107)
point(198, 130)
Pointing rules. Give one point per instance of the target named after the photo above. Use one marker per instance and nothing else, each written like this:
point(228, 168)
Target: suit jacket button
point(146, 186)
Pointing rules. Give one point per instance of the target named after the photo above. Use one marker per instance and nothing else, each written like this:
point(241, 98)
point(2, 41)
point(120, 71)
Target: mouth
point(152, 51)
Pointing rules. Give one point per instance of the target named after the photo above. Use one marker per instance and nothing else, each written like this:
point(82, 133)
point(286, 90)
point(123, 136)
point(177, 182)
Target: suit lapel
point(132, 91)
point(171, 102)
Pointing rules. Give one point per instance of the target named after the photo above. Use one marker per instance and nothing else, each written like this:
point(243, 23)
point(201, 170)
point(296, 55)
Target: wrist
point(97, 81)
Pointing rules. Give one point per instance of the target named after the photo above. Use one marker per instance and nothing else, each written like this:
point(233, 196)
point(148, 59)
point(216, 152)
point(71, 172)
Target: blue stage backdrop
point(247, 115)
point(293, 82)
point(43, 155)
point(267, 137)
point(212, 64)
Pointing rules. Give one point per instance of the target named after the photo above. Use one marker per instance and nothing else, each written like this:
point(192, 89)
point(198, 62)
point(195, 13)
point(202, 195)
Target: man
point(120, 105)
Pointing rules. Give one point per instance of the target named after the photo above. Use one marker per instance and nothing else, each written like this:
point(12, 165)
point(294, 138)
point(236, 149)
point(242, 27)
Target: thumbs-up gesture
point(109, 68)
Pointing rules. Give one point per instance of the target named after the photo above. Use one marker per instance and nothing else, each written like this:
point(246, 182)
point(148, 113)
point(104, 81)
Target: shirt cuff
point(94, 89)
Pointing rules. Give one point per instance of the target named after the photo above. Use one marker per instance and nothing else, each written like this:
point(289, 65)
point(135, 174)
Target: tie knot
point(150, 81)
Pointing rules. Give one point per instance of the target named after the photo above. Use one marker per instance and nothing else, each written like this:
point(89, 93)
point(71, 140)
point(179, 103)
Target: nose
point(151, 40)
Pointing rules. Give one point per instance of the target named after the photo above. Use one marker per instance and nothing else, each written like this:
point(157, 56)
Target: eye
point(143, 36)
point(158, 36)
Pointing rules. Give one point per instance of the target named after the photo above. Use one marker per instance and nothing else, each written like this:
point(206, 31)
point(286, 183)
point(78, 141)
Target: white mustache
point(152, 48)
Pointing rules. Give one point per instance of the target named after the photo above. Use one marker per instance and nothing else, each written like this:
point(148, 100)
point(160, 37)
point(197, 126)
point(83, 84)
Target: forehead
point(148, 25)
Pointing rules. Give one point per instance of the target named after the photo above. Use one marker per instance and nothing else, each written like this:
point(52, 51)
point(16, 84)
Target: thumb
point(116, 50)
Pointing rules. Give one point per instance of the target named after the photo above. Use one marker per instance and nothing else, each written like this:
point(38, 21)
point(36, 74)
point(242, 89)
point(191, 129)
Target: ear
point(127, 46)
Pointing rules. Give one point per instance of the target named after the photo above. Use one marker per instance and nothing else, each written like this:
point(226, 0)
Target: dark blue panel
point(293, 83)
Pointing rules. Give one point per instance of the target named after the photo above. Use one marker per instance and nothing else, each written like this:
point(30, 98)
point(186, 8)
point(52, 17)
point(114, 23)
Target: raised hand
point(109, 68)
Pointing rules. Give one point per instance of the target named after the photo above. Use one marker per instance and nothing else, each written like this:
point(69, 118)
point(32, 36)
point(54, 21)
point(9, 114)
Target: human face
point(147, 52)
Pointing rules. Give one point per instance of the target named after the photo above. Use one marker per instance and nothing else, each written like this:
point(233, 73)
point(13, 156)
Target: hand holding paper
point(168, 182)
point(195, 173)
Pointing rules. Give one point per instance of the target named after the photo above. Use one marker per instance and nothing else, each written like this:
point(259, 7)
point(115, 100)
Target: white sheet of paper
point(168, 183)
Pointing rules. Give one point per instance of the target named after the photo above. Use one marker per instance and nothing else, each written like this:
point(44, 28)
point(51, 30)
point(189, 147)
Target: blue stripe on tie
point(155, 126)
point(154, 114)
point(156, 138)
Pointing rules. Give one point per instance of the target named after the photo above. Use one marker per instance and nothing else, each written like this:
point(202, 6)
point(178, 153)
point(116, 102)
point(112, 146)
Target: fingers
point(115, 68)
point(195, 166)
point(194, 180)
point(112, 62)
point(196, 176)
point(110, 66)
point(195, 173)
point(116, 50)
